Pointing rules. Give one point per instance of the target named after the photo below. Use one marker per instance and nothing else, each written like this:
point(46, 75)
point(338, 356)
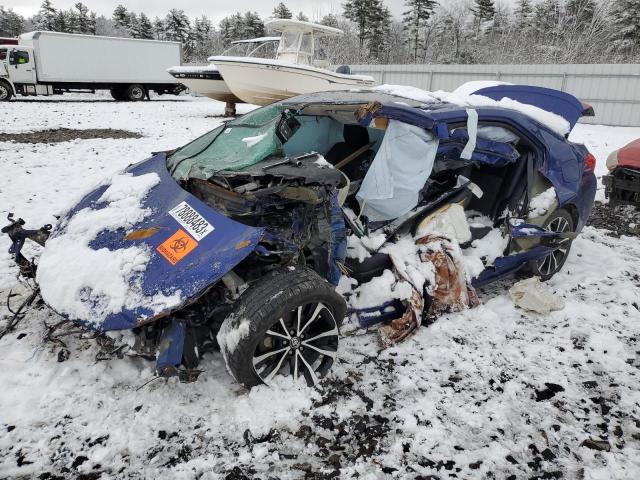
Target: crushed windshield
point(239, 143)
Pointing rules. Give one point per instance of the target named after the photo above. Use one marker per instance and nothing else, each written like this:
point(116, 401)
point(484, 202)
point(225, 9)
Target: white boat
point(263, 81)
point(208, 82)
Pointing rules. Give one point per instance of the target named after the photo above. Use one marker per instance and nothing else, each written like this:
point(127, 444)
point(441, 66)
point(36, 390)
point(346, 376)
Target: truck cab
point(17, 71)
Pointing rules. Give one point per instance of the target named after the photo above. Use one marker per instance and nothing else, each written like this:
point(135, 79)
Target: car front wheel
point(546, 267)
point(286, 324)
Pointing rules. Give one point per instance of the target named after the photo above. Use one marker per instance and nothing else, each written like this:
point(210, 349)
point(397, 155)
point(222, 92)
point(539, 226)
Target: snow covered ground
point(493, 392)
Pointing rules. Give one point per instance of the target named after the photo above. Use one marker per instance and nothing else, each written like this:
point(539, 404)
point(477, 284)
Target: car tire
point(286, 322)
point(6, 92)
point(546, 267)
point(135, 93)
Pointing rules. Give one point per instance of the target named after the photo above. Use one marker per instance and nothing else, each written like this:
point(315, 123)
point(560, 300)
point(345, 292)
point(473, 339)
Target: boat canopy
point(318, 30)
point(257, 40)
point(297, 43)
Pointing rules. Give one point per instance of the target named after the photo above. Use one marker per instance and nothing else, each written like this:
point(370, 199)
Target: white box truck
point(50, 63)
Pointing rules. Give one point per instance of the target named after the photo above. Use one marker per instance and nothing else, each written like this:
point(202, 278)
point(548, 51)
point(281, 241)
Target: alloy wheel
point(302, 343)
point(551, 263)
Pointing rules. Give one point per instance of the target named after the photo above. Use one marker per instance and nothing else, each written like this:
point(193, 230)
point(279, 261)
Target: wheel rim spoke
point(276, 334)
point(312, 374)
point(327, 353)
point(330, 333)
point(273, 372)
point(299, 320)
point(318, 309)
point(286, 330)
point(261, 358)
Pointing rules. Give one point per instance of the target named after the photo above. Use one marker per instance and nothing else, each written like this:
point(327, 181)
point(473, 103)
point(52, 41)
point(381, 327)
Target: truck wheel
point(117, 94)
point(5, 92)
point(135, 93)
point(286, 323)
point(546, 267)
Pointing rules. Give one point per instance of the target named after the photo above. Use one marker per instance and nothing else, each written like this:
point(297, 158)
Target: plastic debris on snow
point(251, 141)
point(533, 295)
point(549, 119)
point(67, 275)
point(542, 203)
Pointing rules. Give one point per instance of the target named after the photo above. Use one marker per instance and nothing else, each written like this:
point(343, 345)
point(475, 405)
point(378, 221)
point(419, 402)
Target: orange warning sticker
point(177, 246)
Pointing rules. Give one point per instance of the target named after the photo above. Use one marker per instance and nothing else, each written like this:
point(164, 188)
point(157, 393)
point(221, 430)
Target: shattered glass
point(239, 143)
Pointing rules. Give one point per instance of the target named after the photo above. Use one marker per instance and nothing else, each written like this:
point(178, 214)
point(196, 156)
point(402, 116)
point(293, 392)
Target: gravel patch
point(58, 135)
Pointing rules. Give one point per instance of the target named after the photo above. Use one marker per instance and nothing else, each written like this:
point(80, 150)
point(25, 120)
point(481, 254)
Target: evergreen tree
point(281, 11)
point(202, 31)
point(330, 20)
point(379, 30)
point(46, 18)
point(177, 26)
point(253, 25)
point(415, 20)
point(581, 11)
point(121, 17)
point(158, 28)
point(11, 23)
point(302, 17)
point(63, 22)
point(626, 19)
point(546, 18)
point(82, 19)
point(523, 14)
point(484, 10)
point(141, 27)
point(360, 12)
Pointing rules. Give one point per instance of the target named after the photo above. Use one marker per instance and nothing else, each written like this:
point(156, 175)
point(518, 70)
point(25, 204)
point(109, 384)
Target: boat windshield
point(239, 143)
point(296, 46)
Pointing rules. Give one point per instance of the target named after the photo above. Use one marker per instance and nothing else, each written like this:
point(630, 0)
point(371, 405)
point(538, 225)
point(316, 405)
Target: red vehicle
point(8, 41)
point(622, 185)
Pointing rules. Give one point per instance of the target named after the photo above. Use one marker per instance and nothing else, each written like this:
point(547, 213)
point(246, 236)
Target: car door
point(22, 66)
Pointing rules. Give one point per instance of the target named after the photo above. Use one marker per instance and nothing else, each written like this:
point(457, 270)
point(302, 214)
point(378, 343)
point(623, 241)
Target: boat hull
point(266, 83)
point(208, 84)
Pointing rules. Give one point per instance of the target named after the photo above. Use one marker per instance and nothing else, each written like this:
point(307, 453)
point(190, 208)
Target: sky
point(214, 9)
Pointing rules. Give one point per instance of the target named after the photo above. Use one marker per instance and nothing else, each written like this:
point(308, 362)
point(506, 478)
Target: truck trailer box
point(72, 58)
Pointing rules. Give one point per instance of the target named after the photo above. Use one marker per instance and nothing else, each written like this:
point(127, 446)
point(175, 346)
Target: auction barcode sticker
point(192, 221)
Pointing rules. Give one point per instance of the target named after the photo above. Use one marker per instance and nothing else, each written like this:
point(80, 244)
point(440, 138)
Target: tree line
point(426, 31)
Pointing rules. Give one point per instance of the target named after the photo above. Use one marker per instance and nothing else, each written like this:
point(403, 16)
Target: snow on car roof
point(553, 121)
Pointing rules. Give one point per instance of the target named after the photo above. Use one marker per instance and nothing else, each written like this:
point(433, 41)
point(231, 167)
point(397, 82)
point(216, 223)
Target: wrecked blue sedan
point(237, 240)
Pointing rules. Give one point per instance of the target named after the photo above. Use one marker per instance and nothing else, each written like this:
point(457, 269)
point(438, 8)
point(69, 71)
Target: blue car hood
point(189, 244)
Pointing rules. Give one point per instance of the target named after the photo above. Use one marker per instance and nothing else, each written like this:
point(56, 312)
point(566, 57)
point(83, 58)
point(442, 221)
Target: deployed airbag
point(398, 172)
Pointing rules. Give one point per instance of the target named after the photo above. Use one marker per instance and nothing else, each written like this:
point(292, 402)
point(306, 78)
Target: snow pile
point(551, 120)
point(86, 284)
point(483, 252)
point(542, 203)
point(361, 247)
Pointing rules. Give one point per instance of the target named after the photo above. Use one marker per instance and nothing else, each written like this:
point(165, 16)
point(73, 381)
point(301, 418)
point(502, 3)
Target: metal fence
point(613, 90)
